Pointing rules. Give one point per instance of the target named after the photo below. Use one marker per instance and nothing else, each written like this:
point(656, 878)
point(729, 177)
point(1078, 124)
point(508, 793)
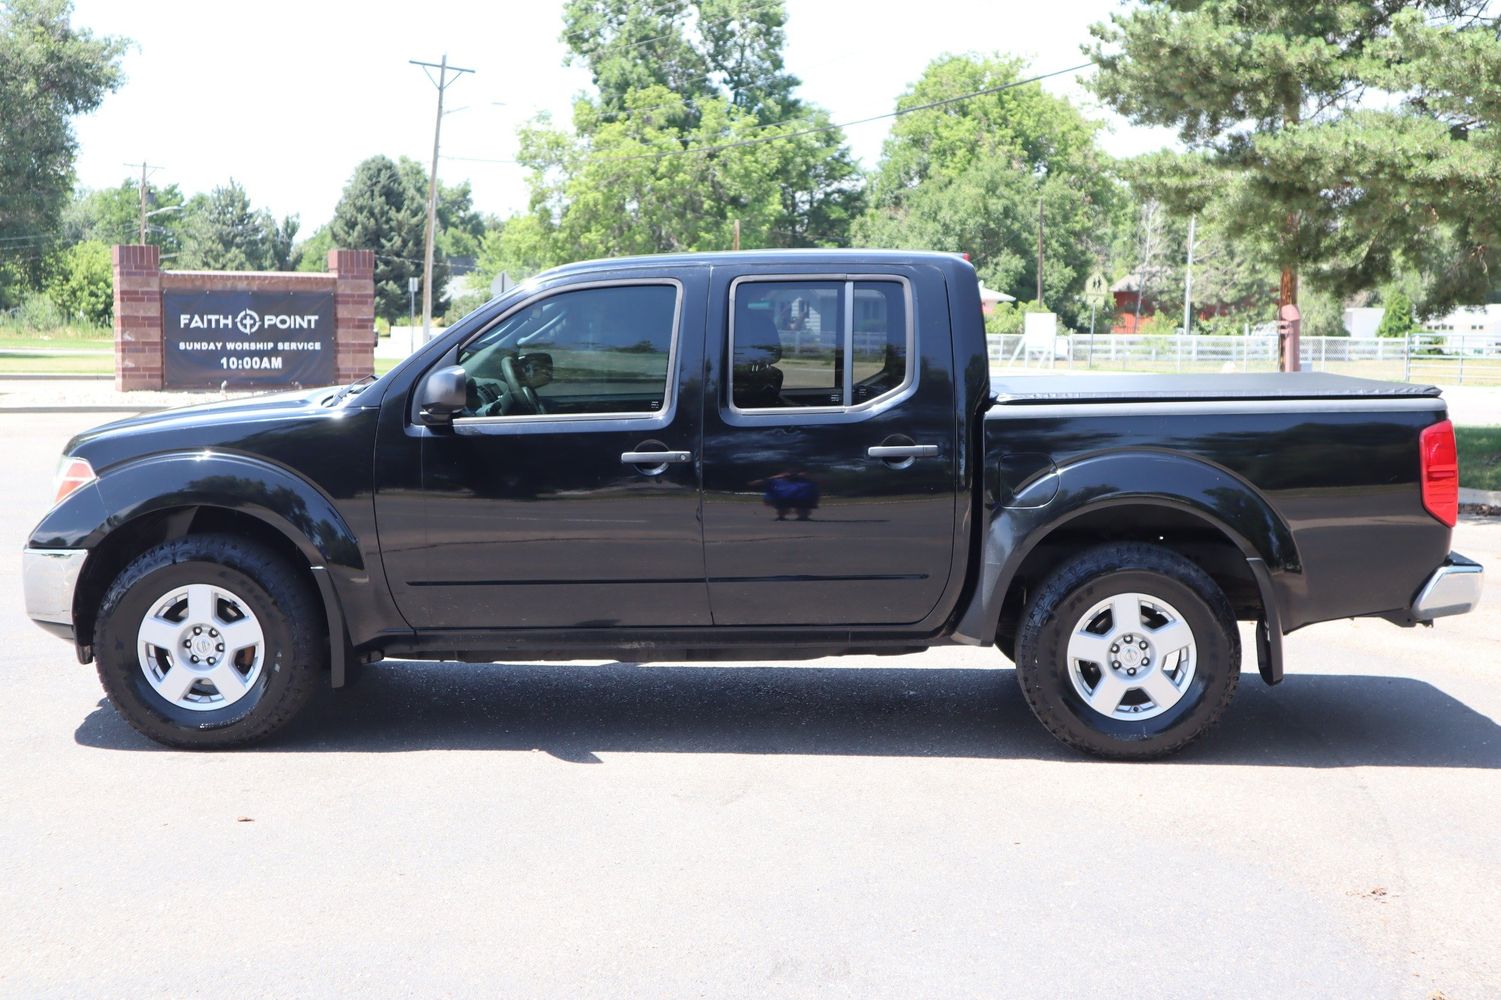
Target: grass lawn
point(1479, 457)
point(14, 362)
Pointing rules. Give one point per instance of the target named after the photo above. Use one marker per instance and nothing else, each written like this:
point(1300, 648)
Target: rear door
point(830, 458)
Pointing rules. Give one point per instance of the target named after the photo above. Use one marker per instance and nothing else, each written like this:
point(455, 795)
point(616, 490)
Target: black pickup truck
point(772, 455)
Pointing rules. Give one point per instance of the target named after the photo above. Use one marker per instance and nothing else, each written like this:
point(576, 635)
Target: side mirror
point(444, 393)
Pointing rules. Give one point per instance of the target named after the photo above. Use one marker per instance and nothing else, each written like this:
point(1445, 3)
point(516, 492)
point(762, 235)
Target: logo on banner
point(248, 321)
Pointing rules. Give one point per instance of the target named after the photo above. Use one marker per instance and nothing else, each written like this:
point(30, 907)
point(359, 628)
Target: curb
point(52, 377)
point(82, 409)
point(1483, 498)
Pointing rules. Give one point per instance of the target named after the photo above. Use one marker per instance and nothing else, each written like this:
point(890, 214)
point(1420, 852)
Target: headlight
point(71, 474)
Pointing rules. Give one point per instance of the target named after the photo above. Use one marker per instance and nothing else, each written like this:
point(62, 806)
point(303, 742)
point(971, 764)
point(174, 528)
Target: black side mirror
point(444, 393)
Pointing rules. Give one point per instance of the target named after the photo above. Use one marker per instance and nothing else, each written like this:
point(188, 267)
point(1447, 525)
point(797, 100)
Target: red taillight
point(71, 474)
point(1440, 472)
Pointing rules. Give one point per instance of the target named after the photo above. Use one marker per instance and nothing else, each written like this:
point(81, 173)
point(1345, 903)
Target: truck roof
point(841, 257)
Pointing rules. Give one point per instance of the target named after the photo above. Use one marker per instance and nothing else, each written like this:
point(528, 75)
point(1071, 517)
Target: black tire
point(291, 621)
point(1080, 585)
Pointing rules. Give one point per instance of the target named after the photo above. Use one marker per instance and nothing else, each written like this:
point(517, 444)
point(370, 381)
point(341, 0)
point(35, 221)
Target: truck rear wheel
point(209, 641)
point(1128, 651)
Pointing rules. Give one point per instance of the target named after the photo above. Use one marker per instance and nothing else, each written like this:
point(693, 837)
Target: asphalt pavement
point(857, 827)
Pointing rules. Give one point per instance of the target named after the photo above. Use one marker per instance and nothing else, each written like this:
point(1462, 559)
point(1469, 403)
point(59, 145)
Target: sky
point(287, 97)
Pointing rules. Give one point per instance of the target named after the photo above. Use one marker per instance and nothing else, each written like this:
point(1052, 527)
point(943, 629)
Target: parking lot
point(853, 827)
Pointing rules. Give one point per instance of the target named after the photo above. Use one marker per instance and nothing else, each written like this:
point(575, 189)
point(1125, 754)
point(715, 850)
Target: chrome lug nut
point(1132, 672)
point(195, 659)
point(197, 629)
point(220, 647)
point(1143, 644)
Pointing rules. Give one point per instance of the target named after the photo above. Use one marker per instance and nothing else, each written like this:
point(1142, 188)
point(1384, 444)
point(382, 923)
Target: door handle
point(890, 451)
point(655, 457)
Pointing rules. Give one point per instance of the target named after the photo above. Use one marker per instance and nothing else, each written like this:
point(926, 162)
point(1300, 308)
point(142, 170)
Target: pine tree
point(1350, 140)
point(384, 210)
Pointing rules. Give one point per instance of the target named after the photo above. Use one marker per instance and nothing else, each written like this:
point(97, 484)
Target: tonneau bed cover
point(1022, 390)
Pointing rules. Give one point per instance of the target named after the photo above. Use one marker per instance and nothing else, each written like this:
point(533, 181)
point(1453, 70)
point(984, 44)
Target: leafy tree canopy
point(49, 72)
point(968, 176)
point(674, 78)
point(223, 232)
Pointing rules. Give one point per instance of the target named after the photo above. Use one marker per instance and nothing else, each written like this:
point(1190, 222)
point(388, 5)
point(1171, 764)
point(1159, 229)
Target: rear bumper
point(49, 577)
point(1453, 589)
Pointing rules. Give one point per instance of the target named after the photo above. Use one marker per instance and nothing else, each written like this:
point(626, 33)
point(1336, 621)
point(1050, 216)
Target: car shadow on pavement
point(576, 712)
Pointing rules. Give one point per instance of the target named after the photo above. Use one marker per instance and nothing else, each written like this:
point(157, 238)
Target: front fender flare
point(187, 481)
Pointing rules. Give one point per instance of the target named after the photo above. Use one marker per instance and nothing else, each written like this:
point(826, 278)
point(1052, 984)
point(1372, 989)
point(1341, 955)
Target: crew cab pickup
point(767, 455)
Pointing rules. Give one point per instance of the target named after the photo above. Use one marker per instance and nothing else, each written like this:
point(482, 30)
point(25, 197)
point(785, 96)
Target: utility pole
point(737, 234)
point(1039, 251)
point(442, 82)
point(1188, 278)
point(144, 167)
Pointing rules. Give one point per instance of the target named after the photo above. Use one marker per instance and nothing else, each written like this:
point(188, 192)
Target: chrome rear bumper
point(1453, 589)
point(48, 577)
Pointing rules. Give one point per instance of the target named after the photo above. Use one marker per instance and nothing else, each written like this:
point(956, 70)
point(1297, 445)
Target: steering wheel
point(519, 389)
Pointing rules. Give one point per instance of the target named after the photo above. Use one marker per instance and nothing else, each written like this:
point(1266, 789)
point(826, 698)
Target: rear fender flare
point(1125, 479)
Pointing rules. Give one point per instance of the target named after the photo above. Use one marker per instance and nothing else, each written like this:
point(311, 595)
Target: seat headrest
point(757, 342)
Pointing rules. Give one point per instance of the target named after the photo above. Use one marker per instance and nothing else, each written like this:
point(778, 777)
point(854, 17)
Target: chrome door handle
point(655, 457)
point(889, 451)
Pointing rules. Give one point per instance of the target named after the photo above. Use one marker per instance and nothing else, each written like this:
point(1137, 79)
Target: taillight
point(1440, 471)
point(71, 474)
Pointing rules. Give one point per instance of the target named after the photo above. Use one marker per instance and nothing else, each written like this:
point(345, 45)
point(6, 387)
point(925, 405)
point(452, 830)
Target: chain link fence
point(1448, 359)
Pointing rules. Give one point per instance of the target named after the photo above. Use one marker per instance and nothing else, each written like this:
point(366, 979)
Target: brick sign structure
point(242, 329)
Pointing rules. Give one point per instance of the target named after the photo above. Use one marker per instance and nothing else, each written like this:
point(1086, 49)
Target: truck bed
point(1112, 387)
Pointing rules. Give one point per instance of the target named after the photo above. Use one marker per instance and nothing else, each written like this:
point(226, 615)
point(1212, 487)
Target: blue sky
point(287, 97)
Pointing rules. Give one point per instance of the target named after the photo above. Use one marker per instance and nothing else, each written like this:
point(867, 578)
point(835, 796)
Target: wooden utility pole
point(145, 167)
point(1039, 251)
point(737, 234)
point(442, 82)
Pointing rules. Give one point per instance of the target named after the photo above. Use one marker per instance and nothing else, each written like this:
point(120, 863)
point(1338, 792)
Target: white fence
point(1450, 359)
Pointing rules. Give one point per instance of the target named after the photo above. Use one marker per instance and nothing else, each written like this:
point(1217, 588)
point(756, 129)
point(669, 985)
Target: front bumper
point(49, 577)
point(1453, 589)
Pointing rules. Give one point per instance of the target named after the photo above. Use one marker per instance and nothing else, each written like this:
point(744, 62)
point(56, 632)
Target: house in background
point(1126, 292)
point(989, 297)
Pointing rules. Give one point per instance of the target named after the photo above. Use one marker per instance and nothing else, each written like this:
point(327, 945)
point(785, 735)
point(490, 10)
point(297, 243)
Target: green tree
point(49, 72)
point(223, 232)
point(969, 176)
point(82, 282)
point(312, 253)
point(384, 210)
point(674, 78)
point(113, 215)
point(1344, 140)
point(1396, 319)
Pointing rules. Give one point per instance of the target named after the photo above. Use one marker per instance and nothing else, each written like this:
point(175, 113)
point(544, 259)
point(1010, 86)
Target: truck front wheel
point(209, 641)
point(1128, 651)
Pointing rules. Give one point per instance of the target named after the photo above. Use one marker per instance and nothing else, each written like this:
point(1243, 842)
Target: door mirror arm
point(445, 392)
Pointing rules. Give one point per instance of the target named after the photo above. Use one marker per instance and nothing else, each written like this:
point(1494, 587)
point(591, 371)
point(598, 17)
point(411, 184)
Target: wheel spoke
point(202, 604)
point(1161, 689)
point(174, 686)
point(1107, 694)
point(160, 632)
point(239, 635)
point(1089, 648)
point(1125, 614)
point(1172, 637)
point(228, 681)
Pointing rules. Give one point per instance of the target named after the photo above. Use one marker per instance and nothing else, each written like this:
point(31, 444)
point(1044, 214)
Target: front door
point(567, 493)
point(830, 451)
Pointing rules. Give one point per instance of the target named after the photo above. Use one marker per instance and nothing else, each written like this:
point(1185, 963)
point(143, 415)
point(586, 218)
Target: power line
point(718, 147)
